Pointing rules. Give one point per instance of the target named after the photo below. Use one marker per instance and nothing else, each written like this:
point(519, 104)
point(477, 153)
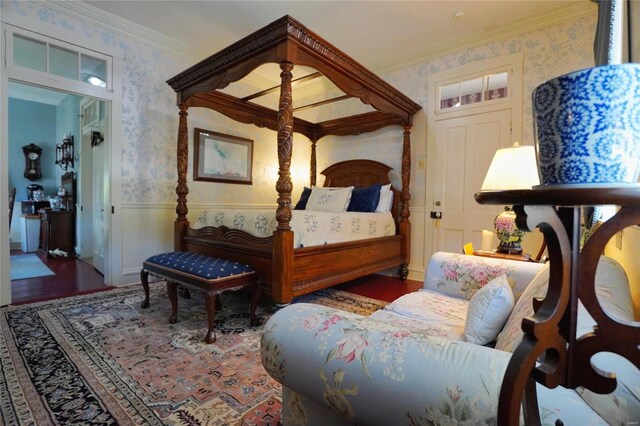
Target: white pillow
point(335, 200)
point(386, 199)
point(488, 310)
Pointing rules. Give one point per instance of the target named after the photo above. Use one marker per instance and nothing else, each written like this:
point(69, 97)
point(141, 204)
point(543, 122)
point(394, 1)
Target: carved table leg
point(172, 289)
point(144, 279)
point(210, 302)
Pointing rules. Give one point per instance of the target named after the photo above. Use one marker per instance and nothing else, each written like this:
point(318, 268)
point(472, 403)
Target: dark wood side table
point(57, 231)
point(552, 330)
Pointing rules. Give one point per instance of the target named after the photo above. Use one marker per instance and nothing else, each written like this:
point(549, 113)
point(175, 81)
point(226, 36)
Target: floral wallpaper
point(149, 114)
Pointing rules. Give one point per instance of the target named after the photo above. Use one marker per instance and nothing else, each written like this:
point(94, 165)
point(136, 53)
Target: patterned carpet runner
point(100, 359)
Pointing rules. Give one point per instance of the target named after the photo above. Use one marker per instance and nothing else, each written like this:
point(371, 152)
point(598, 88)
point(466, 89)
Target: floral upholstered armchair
point(422, 360)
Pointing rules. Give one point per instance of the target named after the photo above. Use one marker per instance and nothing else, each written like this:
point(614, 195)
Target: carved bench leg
point(172, 289)
point(210, 302)
point(184, 292)
point(255, 295)
point(144, 279)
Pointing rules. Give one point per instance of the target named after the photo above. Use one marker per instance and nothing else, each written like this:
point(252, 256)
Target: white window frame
point(47, 79)
point(481, 104)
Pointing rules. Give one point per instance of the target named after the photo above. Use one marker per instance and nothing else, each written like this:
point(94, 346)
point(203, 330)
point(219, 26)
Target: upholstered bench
point(200, 272)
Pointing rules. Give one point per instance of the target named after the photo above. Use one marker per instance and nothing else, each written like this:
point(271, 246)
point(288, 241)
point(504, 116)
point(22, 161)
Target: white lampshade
point(512, 168)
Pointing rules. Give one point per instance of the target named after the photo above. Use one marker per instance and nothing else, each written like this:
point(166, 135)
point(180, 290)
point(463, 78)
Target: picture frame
point(222, 158)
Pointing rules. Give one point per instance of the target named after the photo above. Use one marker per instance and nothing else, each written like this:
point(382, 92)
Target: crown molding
point(92, 15)
point(95, 16)
point(557, 16)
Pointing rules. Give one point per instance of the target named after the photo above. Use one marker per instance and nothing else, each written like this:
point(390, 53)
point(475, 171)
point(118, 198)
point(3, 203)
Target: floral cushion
point(462, 276)
point(512, 333)
point(488, 311)
point(433, 312)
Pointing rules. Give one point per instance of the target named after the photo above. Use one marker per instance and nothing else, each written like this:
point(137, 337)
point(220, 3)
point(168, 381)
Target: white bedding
point(310, 228)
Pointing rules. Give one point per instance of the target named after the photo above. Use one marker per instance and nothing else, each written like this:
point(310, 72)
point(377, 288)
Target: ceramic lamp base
point(509, 248)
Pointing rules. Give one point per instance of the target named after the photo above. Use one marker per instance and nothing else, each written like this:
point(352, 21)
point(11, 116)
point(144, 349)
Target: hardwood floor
point(74, 277)
point(380, 287)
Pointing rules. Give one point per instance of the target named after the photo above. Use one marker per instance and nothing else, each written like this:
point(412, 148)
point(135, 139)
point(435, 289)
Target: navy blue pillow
point(304, 197)
point(365, 199)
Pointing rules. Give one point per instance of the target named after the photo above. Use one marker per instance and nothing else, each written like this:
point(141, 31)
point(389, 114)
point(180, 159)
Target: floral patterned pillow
point(462, 276)
point(512, 333)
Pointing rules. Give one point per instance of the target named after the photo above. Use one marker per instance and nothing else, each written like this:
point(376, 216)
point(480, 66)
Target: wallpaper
point(150, 119)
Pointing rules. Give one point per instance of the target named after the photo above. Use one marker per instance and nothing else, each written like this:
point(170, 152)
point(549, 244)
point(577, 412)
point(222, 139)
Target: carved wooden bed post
point(287, 42)
point(282, 285)
point(405, 225)
point(314, 164)
point(181, 223)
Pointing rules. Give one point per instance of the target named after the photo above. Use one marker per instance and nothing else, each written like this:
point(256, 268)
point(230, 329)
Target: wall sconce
point(96, 138)
point(64, 153)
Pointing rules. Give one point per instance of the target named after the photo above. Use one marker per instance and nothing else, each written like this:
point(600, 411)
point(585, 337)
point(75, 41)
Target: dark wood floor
point(73, 277)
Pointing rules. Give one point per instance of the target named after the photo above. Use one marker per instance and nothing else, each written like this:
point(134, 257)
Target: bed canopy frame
point(288, 43)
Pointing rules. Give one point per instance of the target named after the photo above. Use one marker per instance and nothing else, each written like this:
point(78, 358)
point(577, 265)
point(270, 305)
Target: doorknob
point(436, 215)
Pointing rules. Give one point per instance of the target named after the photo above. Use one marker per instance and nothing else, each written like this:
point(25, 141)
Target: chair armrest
point(349, 363)
point(374, 373)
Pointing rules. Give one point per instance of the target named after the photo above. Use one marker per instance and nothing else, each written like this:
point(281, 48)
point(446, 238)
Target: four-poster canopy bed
point(295, 271)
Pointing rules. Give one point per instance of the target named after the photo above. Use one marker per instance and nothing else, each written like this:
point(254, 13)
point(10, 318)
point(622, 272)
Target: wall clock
point(32, 154)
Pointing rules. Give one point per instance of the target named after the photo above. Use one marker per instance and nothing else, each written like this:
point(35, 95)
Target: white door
point(85, 185)
point(464, 148)
point(99, 207)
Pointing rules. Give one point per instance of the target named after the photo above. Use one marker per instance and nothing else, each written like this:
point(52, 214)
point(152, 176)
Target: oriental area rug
point(99, 359)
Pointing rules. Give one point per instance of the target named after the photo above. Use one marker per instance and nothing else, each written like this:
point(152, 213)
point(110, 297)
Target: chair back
point(12, 200)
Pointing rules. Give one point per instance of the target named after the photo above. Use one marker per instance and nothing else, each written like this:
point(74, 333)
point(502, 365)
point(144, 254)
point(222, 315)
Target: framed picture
point(222, 158)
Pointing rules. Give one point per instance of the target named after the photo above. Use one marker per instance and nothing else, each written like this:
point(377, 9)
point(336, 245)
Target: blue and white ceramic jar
point(587, 126)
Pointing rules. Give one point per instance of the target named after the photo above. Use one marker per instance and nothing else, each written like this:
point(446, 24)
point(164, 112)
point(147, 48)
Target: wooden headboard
point(361, 173)
point(356, 173)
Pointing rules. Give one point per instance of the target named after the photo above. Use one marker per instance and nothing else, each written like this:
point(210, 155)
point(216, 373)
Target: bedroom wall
point(149, 117)
point(23, 114)
point(547, 53)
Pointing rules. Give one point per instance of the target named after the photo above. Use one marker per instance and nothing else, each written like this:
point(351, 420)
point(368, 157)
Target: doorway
point(464, 149)
point(475, 109)
point(78, 224)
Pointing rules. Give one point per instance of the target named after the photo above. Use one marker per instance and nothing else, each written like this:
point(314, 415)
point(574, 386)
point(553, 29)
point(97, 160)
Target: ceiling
point(378, 34)
point(381, 35)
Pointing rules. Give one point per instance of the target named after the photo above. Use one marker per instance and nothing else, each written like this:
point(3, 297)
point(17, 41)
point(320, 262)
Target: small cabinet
point(29, 232)
point(57, 231)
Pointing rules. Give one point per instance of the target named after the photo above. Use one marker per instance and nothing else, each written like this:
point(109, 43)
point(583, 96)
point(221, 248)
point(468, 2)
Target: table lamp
point(511, 168)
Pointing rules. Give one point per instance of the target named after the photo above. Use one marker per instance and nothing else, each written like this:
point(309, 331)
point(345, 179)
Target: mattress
point(310, 227)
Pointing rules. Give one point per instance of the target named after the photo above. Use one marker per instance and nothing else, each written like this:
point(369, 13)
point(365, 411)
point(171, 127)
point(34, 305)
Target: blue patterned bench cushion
point(205, 267)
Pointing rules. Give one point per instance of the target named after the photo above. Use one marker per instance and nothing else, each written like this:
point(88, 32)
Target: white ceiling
point(381, 35)
point(378, 34)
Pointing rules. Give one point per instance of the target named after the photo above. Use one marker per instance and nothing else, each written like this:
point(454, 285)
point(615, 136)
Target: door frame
point(511, 63)
point(113, 95)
